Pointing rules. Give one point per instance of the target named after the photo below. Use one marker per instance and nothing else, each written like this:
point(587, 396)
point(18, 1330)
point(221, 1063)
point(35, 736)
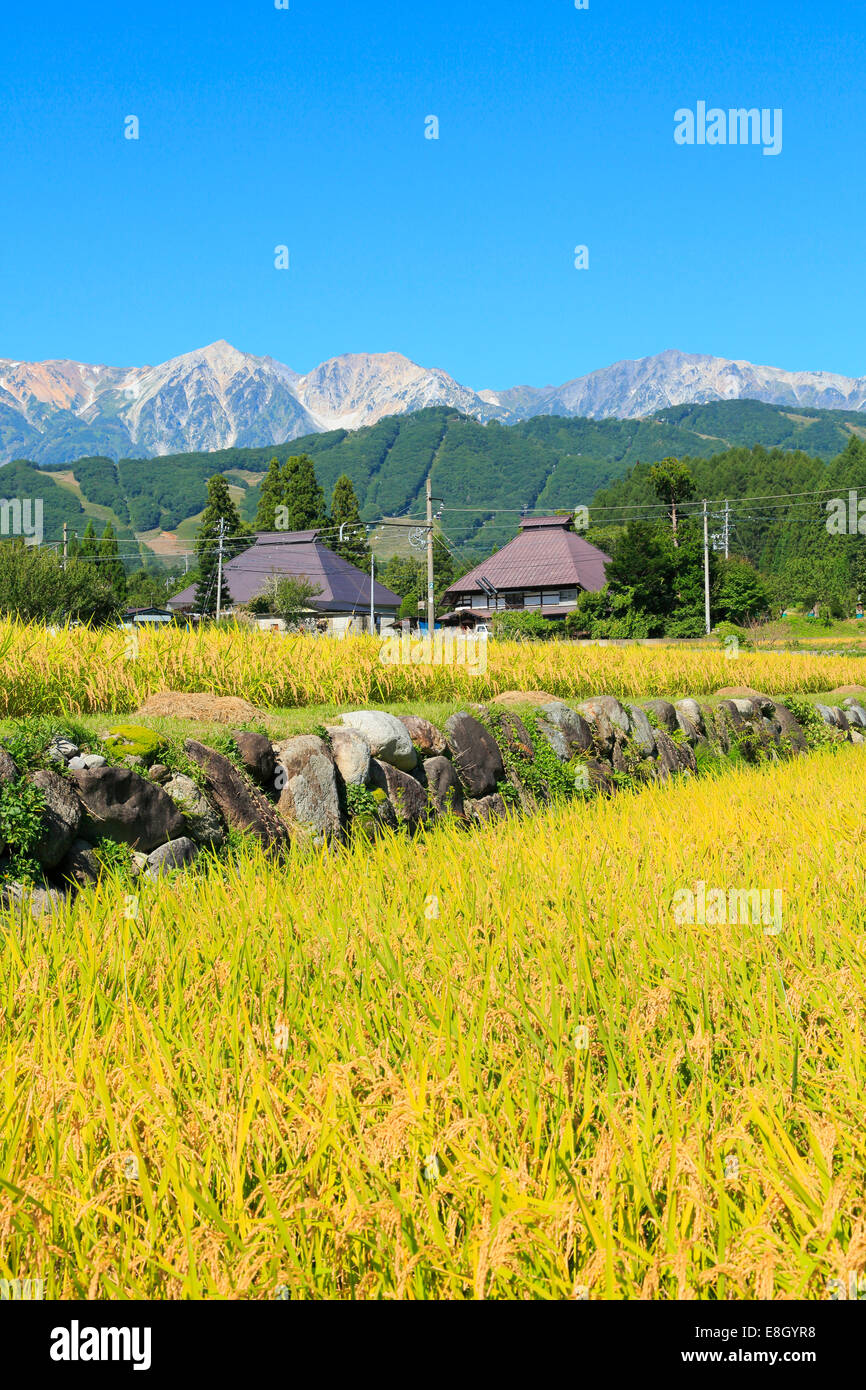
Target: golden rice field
point(481, 1065)
point(80, 671)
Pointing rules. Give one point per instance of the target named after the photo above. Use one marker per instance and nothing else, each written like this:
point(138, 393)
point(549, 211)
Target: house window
point(568, 595)
point(550, 598)
point(479, 600)
point(532, 600)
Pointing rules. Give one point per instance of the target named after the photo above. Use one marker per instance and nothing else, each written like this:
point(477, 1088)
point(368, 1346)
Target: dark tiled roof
point(547, 554)
point(298, 554)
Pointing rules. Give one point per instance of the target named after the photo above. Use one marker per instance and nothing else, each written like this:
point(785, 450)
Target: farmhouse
point(543, 570)
point(344, 590)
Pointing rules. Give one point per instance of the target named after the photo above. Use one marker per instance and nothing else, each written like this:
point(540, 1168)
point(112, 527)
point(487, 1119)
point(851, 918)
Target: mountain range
point(218, 397)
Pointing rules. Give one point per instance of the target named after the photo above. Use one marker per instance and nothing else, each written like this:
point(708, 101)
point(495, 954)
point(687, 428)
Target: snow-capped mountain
point(217, 397)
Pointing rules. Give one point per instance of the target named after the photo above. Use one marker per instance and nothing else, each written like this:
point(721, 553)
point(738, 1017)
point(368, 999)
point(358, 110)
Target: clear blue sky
point(305, 127)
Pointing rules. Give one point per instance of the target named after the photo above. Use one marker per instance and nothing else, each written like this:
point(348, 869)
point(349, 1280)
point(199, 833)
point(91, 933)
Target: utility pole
point(65, 545)
point(727, 525)
point(219, 596)
point(706, 570)
point(372, 593)
point(431, 613)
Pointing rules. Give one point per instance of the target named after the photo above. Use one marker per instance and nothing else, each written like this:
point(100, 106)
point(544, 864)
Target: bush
point(522, 627)
point(35, 585)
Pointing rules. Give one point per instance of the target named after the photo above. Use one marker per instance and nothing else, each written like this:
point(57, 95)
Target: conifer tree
point(346, 513)
point(302, 501)
point(110, 564)
point(220, 508)
point(270, 498)
point(89, 546)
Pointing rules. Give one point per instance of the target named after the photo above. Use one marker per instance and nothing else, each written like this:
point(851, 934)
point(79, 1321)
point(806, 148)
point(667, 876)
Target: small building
point(139, 617)
point(343, 600)
point(541, 571)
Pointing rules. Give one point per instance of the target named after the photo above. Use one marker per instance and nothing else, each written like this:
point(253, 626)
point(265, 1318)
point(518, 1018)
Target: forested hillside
point(483, 474)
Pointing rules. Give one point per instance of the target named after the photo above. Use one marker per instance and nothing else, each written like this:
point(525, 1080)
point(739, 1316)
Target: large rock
point(389, 739)
point(351, 752)
point(555, 739)
point(443, 786)
point(476, 754)
point(425, 736)
point(80, 865)
point(487, 808)
point(176, 854)
point(60, 819)
point(607, 718)
point(257, 755)
point(39, 902)
point(691, 720)
point(641, 730)
point(855, 713)
point(591, 776)
point(406, 795)
point(309, 801)
point(513, 735)
point(202, 821)
point(790, 729)
point(8, 770)
point(124, 806)
point(672, 757)
point(241, 805)
point(578, 734)
point(664, 714)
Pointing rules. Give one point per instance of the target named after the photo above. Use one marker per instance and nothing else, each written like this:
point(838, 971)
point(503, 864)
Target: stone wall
point(371, 772)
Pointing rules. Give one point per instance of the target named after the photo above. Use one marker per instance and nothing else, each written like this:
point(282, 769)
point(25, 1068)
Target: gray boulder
point(855, 714)
point(443, 786)
point(39, 902)
point(202, 821)
point(241, 805)
point(406, 796)
point(350, 749)
point(425, 736)
point(257, 755)
point(60, 749)
point(664, 714)
point(606, 717)
point(576, 729)
point(476, 754)
point(555, 738)
point(60, 819)
point(123, 805)
point(8, 770)
point(176, 854)
point(309, 801)
point(514, 735)
point(487, 808)
point(82, 761)
point(641, 730)
point(389, 739)
point(672, 757)
point(80, 864)
point(790, 729)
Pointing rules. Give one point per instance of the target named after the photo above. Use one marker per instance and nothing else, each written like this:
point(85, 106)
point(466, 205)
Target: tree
point(302, 506)
point(642, 561)
point(290, 597)
point(741, 593)
point(673, 483)
point(345, 512)
point(270, 498)
point(220, 509)
point(110, 563)
point(89, 548)
point(35, 585)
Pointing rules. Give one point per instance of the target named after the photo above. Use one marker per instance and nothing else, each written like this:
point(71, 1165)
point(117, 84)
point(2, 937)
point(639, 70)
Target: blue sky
point(305, 127)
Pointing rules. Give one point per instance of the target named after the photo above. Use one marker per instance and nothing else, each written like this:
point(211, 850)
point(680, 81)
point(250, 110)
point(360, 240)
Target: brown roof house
point(542, 570)
point(344, 597)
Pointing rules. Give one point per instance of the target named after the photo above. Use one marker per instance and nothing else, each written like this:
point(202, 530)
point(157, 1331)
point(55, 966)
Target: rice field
point(474, 1066)
point(81, 671)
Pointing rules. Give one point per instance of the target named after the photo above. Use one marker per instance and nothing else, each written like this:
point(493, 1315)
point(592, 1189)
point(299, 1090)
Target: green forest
point(483, 475)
